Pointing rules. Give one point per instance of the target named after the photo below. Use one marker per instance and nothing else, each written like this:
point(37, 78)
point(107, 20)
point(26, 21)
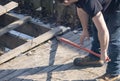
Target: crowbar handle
point(80, 47)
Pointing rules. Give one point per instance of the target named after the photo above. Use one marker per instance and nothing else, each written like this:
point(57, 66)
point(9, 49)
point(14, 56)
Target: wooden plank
point(14, 25)
point(5, 73)
point(15, 65)
point(30, 44)
point(4, 9)
point(14, 74)
point(27, 64)
point(27, 56)
point(31, 28)
point(11, 41)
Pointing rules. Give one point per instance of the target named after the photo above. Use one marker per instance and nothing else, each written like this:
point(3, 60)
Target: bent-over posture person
point(105, 15)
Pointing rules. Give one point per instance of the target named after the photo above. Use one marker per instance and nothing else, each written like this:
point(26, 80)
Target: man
point(96, 9)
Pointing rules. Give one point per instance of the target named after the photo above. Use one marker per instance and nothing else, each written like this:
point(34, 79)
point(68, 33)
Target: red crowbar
point(80, 47)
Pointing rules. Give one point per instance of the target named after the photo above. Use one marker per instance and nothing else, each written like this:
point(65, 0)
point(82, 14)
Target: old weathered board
point(14, 25)
point(4, 9)
point(31, 28)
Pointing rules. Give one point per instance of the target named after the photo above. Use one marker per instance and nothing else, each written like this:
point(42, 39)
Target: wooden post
point(11, 5)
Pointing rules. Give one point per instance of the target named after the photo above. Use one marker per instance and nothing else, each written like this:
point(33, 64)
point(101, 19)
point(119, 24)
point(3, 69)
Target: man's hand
point(105, 58)
point(84, 36)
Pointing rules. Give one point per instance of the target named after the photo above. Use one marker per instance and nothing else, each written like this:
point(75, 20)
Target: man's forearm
point(103, 33)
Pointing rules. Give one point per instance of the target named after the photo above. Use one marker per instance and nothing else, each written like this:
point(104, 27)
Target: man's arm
point(103, 34)
point(83, 16)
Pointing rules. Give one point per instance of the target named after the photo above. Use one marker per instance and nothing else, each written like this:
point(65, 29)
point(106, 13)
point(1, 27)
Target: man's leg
point(113, 67)
point(114, 46)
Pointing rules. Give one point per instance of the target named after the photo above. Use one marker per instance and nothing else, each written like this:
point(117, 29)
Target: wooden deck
point(40, 59)
point(50, 61)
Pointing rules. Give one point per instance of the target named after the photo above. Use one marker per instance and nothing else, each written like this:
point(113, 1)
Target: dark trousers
point(113, 23)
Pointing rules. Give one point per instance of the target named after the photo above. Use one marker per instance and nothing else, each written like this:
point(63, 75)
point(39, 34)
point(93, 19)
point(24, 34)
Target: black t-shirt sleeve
point(91, 7)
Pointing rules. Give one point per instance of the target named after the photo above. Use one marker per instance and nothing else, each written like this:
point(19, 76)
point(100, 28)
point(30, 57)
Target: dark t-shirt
point(115, 5)
point(92, 7)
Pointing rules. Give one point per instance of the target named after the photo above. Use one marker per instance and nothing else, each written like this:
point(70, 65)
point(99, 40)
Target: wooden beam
point(14, 25)
point(11, 41)
point(29, 45)
point(31, 28)
point(4, 9)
